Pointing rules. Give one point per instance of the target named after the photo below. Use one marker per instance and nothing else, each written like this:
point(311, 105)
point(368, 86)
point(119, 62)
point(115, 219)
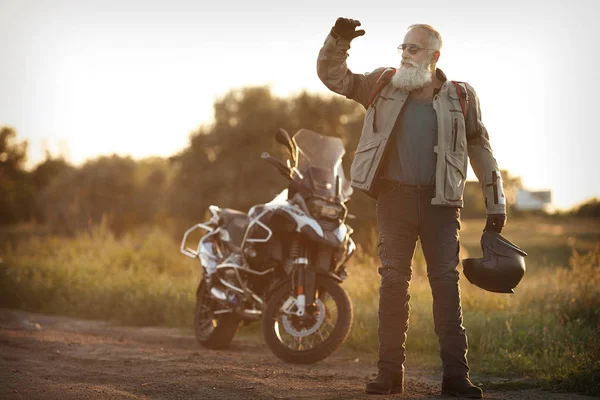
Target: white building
point(533, 200)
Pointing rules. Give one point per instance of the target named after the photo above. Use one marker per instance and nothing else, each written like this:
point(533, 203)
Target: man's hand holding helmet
point(495, 222)
point(345, 28)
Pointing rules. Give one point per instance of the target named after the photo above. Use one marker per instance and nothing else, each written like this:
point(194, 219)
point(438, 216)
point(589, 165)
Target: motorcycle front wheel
point(214, 328)
point(314, 336)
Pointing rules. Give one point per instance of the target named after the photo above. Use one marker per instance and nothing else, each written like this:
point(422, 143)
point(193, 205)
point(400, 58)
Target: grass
point(548, 242)
point(548, 332)
point(139, 279)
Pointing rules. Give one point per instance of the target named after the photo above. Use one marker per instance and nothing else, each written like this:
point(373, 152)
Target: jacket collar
point(440, 75)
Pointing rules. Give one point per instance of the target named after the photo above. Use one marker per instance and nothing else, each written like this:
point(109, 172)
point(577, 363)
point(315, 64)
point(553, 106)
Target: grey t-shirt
point(411, 159)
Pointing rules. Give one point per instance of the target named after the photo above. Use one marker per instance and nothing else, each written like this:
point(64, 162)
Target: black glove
point(344, 28)
point(495, 222)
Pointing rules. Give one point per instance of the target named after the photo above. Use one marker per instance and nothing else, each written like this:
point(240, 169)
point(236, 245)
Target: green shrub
point(140, 279)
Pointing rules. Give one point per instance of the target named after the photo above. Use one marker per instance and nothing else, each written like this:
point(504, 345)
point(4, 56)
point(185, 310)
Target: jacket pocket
point(455, 177)
point(364, 160)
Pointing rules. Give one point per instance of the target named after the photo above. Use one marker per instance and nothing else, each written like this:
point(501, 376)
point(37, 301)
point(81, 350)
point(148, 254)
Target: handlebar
point(281, 167)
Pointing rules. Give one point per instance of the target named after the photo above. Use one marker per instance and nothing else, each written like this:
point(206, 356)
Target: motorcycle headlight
point(322, 209)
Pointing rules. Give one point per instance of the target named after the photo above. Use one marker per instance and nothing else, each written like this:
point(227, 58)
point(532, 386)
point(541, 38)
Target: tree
point(16, 188)
point(43, 175)
point(103, 188)
point(48, 170)
point(588, 209)
point(152, 177)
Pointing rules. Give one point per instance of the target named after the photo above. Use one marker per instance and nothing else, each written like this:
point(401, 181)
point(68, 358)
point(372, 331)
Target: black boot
point(386, 383)
point(459, 386)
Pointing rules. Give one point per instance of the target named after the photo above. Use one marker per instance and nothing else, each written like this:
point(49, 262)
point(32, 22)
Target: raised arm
point(332, 68)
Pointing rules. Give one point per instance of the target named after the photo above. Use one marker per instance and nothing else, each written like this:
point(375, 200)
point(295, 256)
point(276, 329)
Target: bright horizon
point(85, 78)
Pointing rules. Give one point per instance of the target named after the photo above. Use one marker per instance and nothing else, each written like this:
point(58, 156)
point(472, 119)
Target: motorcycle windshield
point(320, 161)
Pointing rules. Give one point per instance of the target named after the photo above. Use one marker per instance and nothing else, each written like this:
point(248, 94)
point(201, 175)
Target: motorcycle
point(283, 262)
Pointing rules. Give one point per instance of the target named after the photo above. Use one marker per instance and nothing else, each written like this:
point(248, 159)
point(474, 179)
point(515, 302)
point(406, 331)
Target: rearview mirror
point(284, 138)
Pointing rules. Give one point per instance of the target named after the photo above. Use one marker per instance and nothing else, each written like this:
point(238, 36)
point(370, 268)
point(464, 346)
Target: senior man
point(419, 132)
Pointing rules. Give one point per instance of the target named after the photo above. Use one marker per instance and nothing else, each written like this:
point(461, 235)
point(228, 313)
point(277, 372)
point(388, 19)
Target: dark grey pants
point(405, 214)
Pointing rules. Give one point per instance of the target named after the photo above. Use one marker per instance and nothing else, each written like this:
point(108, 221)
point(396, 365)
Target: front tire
point(213, 330)
point(290, 337)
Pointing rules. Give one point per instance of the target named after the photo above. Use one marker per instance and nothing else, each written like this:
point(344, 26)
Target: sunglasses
point(411, 48)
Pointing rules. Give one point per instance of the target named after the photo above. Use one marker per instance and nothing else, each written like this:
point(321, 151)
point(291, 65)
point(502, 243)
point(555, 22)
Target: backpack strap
point(464, 93)
point(383, 79)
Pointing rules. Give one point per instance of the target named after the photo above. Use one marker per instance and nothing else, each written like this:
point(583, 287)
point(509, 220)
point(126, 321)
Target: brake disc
point(287, 323)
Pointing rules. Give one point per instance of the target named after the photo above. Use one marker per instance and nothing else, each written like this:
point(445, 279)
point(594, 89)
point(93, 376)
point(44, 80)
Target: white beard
point(412, 78)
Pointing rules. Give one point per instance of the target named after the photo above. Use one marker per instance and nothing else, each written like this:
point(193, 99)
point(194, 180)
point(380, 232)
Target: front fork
point(303, 281)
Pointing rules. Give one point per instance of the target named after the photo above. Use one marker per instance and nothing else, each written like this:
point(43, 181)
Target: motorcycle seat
point(236, 223)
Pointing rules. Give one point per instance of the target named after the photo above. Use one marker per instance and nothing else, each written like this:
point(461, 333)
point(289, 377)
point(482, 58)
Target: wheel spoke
point(314, 339)
point(325, 329)
point(291, 342)
point(205, 324)
point(320, 334)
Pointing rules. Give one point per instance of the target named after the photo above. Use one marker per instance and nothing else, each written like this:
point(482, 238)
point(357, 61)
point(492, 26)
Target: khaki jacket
point(458, 140)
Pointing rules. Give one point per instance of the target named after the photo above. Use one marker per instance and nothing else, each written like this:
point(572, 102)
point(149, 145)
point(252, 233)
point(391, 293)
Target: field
point(547, 333)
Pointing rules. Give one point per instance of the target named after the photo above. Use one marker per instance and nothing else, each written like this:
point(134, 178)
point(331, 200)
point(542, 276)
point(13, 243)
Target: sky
point(83, 78)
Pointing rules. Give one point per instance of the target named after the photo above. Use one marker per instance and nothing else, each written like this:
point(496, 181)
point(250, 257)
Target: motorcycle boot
point(460, 386)
point(386, 383)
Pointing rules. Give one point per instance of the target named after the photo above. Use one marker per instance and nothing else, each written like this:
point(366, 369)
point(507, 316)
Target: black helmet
point(501, 268)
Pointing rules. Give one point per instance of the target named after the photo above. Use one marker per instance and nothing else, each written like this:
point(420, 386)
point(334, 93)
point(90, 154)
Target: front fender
point(326, 274)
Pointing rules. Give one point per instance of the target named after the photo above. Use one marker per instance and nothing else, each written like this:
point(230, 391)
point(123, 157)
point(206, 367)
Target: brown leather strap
point(465, 108)
point(382, 80)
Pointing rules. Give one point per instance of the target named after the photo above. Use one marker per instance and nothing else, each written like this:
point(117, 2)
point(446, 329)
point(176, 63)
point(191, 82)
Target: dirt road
point(51, 357)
